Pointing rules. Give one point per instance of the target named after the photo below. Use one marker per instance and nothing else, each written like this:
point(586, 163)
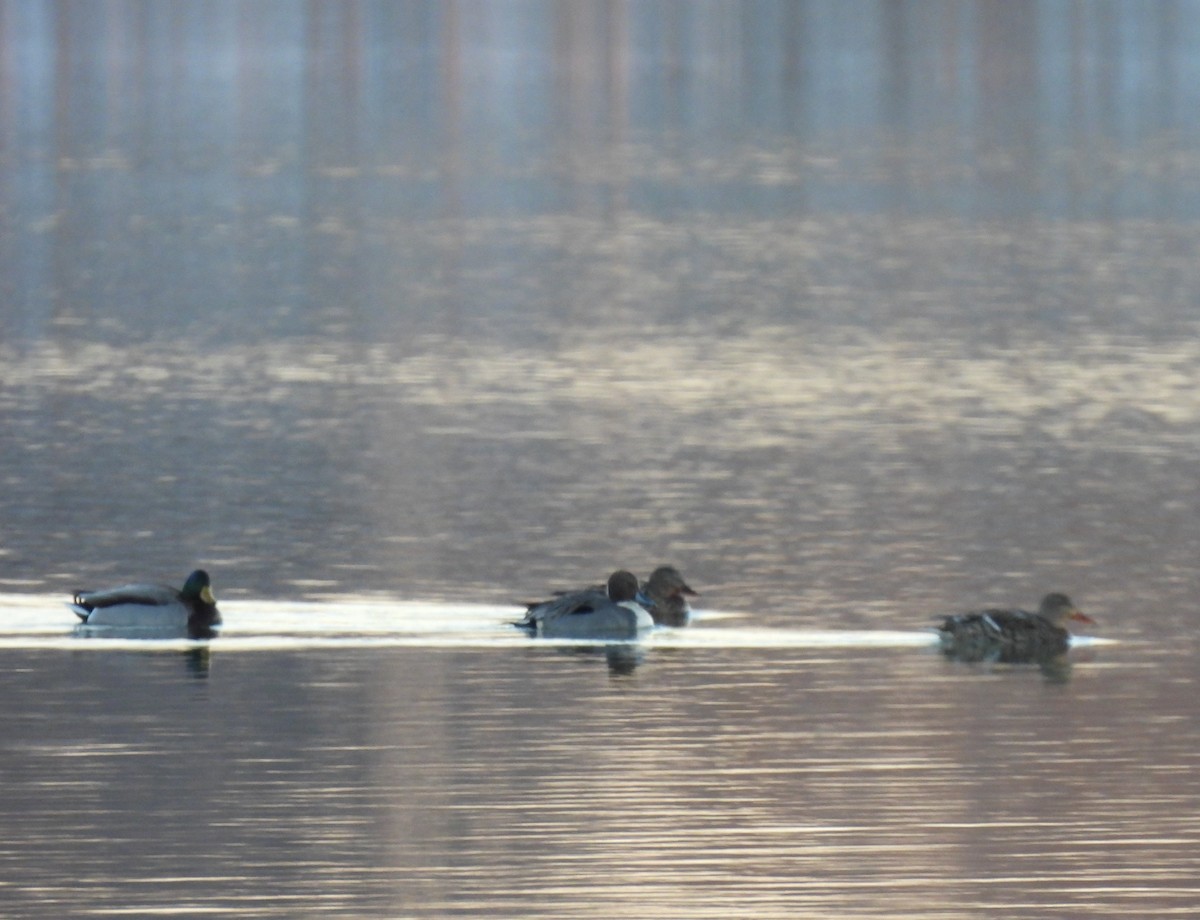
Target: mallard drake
point(593, 613)
point(1013, 636)
point(152, 606)
point(666, 593)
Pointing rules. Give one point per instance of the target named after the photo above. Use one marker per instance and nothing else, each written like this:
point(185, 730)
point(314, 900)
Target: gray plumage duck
point(158, 607)
point(593, 613)
point(1012, 636)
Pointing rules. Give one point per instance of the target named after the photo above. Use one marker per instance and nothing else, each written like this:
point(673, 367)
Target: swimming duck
point(1011, 636)
point(593, 613)
point(666, 591)
point(152, 606)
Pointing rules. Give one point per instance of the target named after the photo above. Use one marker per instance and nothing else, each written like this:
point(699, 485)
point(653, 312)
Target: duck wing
point(563, 605)
point(126, 595)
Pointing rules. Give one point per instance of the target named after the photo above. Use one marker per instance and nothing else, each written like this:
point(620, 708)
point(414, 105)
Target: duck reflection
point(1055, 667)
point(197, 658)
point(622, 658)
point(191, 632)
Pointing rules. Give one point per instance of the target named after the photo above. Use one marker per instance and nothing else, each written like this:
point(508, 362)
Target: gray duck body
point(192, 609)
point(593, 613)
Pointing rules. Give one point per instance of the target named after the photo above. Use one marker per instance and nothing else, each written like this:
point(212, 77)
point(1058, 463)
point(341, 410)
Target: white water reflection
point(33, 621)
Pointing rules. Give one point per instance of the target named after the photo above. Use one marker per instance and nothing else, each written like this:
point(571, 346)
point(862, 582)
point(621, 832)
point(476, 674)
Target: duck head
point(1058, 609)
point(198, 585)
point(666, 582)
point(622, 586)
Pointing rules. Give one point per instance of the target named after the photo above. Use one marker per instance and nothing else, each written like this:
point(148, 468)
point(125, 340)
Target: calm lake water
point(393, 316)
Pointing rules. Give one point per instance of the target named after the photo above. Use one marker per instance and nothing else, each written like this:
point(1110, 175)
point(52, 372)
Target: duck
point(612, 612)
point(147, 606)
point(666, 593)
point(1012, 636)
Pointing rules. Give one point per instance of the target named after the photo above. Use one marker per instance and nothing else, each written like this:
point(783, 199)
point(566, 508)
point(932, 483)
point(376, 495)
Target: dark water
point(534, 782)
point(858, 313)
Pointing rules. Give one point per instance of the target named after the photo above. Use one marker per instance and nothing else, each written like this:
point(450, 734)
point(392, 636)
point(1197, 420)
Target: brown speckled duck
point(667, 594)
point(1011, 636)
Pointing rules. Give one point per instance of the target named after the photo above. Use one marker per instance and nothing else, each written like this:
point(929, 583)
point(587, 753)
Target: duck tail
point(79, 610)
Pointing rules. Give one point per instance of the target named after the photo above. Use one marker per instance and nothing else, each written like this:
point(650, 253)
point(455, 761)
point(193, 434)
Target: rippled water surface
point(394, 316)
point(423, 760)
